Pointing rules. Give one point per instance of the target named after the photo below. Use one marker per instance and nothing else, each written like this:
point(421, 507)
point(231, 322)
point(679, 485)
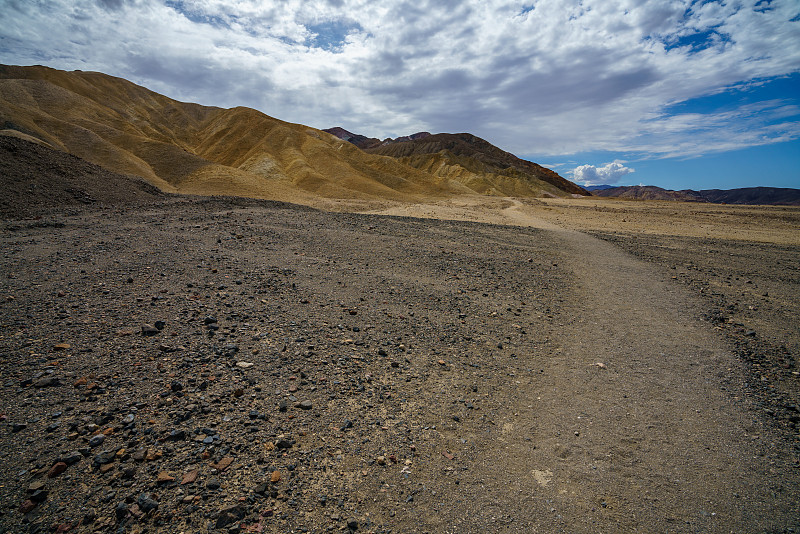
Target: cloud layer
point(610, 173)
point(535, 77)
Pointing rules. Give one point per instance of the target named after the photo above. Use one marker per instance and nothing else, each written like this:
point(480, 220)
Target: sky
point(675, 93)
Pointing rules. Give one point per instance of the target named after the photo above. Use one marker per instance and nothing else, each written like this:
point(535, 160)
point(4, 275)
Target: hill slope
point(479, 165)
point(189, 148)
point(36, 178)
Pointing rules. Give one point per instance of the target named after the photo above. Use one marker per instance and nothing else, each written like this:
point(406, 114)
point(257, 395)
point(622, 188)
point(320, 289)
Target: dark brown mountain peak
point(471, 146)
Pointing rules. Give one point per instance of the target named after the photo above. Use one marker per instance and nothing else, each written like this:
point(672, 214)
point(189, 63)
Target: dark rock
point(105, 457)
point(160, 325)
point(16, 427)
point(305, 405)
point(121, 511)
point(229, 515)
point(213, 484)
point(352, 524)
point(177, 435)
point(149, 330)
point(96, 441)
point(347, 424)
point(47, 381)
point(284, 444)
point(38, 496)
point(146, 503)
point(27, 506)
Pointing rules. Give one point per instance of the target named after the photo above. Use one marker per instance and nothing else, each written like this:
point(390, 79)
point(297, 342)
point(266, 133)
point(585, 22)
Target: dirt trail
point(634, 423)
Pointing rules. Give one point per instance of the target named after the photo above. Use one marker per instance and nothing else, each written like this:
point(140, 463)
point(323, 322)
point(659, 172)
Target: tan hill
point(479, 165)
point(189, 148)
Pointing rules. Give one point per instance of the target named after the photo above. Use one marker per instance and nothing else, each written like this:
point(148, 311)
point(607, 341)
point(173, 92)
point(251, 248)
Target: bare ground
point(460, 376)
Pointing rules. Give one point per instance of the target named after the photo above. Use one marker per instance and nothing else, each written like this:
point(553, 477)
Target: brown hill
point(479, 165)
point(776, 196)
point(646, 192)
point(364, 142)
point(189, 148)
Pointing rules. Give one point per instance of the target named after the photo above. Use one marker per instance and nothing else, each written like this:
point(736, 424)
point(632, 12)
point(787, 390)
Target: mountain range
point(745, 195)
point(190, 148)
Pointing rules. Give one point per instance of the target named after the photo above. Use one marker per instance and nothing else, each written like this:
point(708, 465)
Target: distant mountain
point(745, 195)
point(189, 148)
point(751, 195)
point(364, 142)
point(471, 161)
point(599, 187)
point(646, 192)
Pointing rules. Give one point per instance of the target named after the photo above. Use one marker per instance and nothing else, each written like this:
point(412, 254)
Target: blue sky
point(676, 93)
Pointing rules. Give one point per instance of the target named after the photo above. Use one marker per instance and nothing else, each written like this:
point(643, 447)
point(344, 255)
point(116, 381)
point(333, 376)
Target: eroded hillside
point(189, 148)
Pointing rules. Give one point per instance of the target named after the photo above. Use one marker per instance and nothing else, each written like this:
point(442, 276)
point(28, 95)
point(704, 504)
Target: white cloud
point(610, 173)
point(563, 77)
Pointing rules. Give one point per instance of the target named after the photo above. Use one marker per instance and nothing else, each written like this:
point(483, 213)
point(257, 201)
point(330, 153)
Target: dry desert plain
point(191, 364)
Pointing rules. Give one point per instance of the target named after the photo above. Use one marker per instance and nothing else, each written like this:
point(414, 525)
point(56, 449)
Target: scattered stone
point(223, 464)
point(104, 458)
point(244, 365)
point(229, 515)
point(177, 435)
point(146, 503)
point(57, 469)
point(39, 496)
point(72, 458)
point(96, 441)
point(275, 477)
point(284, 443)
point(62, 346)
point(190, 477)
point(121, 511)
point(164, 477)
point(47, 381)
point(36, 486)
point(352, 524)
point(347, 424)
point(27, 506)
point(213, 484)
point(149, 330)
point(305, 405)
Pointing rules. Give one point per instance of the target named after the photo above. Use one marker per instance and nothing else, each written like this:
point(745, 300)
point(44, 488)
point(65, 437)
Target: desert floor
point(503, 365)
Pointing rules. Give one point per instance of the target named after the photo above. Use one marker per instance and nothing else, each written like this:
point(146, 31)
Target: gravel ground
point(226, 365)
